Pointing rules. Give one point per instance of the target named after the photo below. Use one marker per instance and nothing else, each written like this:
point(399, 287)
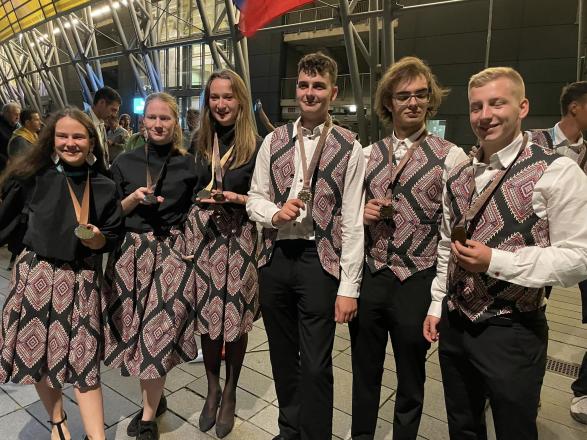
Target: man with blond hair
point(509, 229)
point(406, 172)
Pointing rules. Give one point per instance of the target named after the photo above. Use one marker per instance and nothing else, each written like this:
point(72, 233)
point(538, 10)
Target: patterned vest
point(545, 138)
point(508, 222)
point(327, 187)
point(408, 243)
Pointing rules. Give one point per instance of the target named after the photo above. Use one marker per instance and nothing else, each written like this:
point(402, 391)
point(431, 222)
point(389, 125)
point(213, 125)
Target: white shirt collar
point(307, 132)
point(410, 139)
point(559, 138)
point(504, 157)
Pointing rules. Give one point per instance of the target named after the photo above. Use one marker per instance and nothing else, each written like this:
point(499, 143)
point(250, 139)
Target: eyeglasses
point(421, 96)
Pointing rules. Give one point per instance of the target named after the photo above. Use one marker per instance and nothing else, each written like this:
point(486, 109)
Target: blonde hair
point(245, 134)
point(407, 68)
point(492, 73)
point(166, 98)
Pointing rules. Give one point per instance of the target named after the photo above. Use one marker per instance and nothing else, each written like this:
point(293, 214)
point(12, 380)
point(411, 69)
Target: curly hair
point(406, 69)
point(318, 63)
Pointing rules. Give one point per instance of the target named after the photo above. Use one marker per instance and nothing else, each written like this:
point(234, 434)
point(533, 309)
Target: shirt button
point(301, 180)
point(291, 175)
point(295, 224)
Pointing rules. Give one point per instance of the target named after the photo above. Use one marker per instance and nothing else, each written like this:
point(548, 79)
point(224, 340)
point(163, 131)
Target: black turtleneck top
point(40, 210)
point(176, 186)
point(237, 180)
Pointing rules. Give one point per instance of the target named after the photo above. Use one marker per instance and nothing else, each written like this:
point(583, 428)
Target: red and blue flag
point(257, 13)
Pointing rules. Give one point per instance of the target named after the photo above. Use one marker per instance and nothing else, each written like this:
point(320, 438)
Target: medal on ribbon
point(305, 194)
point(82, 212)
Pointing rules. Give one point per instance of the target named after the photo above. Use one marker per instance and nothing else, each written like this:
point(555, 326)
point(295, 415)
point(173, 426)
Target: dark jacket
point(6, 130)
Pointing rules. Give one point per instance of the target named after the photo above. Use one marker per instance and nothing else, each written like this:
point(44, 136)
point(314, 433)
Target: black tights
point(234, 355)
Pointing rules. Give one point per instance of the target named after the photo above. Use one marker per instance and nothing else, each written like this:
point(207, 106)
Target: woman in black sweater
point(223, 240)
point(151, 287)
point(59, 202)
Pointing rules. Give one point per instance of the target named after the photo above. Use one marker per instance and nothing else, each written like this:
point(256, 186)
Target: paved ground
point(23, 417)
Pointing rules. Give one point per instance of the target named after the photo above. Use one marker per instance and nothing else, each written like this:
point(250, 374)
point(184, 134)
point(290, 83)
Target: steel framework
point(31, 64)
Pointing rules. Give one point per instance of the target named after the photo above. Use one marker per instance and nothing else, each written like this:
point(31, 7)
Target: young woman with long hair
point(223, 240)
point(65, 211)
point(150, 292)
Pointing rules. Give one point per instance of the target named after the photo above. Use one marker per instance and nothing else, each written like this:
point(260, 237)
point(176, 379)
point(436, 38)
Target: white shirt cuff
point(269, 213)
point(501, 262)
point(435, 308)
point(348, 289)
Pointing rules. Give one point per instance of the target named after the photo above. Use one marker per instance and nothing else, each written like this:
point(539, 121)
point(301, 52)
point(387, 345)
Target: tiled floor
point(23, 417)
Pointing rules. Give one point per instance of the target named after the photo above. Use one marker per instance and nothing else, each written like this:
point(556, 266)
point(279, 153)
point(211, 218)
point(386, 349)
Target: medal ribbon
point(395, 172)
point(219, 166)
point(481, 201)
point(308, 172)
point(82, 213)
point(150, 183)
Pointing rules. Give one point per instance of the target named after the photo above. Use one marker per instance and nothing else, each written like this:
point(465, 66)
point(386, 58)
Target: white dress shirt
point(455, 155)
point(560, 195)
point(261, 209)
point(563, 146)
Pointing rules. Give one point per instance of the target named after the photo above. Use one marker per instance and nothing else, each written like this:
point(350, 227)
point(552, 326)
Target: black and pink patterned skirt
point(149, 321)
point(223, 242)
point(51, 323)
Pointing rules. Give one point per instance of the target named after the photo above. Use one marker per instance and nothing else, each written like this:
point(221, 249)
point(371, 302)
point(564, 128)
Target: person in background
point(9, 121)
point(24, 137)
point(566, 138)
point(138, 139)
point(192, 120)
point(116, 137)
point(125, 122)
point(106, 103)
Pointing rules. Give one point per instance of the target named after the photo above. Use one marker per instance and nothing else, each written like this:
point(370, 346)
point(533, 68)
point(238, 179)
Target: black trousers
point(579, 386)
point(297, 301)
point(389, 307)
point(504, 359)
point(583, 289)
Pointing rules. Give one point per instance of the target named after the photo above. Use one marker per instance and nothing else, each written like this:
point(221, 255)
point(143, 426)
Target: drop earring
point(90, 159)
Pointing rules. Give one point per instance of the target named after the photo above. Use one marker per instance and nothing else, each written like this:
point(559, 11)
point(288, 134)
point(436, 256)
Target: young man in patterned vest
point(307, 193)
point(512, 224)
point(402, 217)
point(566, 137)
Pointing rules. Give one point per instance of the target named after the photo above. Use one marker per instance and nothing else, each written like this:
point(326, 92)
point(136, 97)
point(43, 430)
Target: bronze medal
point(150, 199)
point(204, 194)
point(83, 232)
point(386, 212)
point(219, 197)
point(82, 212)
point(459, 234)
point(305, 196)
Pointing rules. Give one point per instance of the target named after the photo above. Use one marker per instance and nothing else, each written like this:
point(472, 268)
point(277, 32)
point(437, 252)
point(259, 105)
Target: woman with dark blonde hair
point(150, 293)
point(59, 202)
point(223, 240)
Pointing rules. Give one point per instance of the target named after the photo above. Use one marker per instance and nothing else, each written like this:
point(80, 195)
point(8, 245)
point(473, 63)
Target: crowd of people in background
point(206, 228)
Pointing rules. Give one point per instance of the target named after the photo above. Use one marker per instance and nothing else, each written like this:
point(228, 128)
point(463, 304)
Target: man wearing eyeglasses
point(402, 217)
